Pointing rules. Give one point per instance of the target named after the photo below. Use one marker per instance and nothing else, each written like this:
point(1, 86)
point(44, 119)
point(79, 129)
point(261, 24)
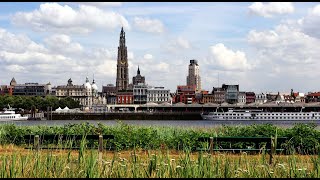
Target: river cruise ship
point(9, 115)
point(258, 115)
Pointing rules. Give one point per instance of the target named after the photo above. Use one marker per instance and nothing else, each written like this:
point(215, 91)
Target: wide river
point(171, 123)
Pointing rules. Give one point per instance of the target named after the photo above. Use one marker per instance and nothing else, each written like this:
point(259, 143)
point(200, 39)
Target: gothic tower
point(122, 64)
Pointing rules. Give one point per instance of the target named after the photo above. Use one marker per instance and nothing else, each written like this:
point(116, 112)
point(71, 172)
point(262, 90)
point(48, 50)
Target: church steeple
point(138, 72)
point(122, 41)
point(122, 80)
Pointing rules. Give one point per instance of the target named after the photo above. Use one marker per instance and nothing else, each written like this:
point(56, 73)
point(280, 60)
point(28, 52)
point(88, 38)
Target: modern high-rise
point(193, 78)
point(122, 80)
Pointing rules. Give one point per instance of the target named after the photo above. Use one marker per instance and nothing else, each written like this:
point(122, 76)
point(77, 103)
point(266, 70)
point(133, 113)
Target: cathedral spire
point(122, 41)
point(122, 80)
point(138, 72)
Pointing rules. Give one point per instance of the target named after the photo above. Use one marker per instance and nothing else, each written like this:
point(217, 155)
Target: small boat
point(10, 115)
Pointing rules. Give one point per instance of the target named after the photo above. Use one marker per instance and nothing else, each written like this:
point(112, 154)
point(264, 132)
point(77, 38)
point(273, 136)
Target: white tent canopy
point(66, 108)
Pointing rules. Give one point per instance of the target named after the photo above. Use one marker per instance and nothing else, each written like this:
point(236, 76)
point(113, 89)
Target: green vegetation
point(303, 138)
point(153, 164)
point(150, 152)
point(41, 103)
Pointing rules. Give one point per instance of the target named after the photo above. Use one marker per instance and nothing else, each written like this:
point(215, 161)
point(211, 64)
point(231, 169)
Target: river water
point(170, 123)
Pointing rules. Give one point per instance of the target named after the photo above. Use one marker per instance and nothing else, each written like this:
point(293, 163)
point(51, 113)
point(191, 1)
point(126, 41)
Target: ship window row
point(272, 118)
point(6, 117)
point(268, 114)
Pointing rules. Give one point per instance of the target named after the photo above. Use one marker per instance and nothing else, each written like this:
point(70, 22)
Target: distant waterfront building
point(158, 95)
point(271, 97)
point(199, 96)
point(219, 94)
point(232, 92)
point(186, 94)
point(110, 92)
point(30, 89)
point(193, 78)
point(250, 97)
point(312, 97)
point(138, 78)
point(13, 82)
point(122, 80)
point(6, 90)
point(242, 98)
point(125, 97)
point(86, 94)
point(140, 93)
point(261, 98)
point(208, 98)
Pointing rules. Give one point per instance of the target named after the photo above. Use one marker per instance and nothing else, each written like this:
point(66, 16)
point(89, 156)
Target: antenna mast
point(218, 80)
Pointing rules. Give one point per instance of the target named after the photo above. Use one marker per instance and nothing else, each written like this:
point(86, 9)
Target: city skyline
point(262, 47)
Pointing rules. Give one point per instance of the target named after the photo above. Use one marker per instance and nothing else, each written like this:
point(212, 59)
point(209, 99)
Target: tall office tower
point(194, 75)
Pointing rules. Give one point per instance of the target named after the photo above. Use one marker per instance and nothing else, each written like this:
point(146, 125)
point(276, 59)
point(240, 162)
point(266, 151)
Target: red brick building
point(186, 94)
point(125, 97)
point(6, 90)
point(250, 97)
point(313, 97)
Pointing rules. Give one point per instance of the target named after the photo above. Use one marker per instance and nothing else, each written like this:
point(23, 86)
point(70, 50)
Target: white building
point(261, 98)
point(158, 95)
point(86, 94)
point(242, 98)
point(193, 77)
point(140, 93)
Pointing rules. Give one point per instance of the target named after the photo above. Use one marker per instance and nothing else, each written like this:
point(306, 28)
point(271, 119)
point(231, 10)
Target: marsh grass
point(155, 152)
point(16, 162)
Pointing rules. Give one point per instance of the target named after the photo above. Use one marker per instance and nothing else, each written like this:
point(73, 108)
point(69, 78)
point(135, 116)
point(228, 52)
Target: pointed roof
point(122, 33)
point(13, 80)
point(138, 72)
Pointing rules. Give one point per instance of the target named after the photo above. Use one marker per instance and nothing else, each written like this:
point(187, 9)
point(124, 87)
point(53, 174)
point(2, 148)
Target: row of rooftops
point(183, 88)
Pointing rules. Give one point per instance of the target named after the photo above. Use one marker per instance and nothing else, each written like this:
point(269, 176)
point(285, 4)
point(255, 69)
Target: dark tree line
point(40, 103)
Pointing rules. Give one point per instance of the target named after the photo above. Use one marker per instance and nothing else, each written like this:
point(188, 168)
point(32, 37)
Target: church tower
point(122, 80)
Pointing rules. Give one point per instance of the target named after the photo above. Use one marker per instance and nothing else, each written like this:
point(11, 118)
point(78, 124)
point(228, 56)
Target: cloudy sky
point(263, 47)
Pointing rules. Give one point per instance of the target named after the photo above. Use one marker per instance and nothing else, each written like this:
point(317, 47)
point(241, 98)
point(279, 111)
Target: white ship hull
point(11, 116)
point(261, 116)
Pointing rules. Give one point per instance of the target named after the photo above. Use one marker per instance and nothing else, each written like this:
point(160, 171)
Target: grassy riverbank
point(153, 152)
point(16, 162)
point(303, 138)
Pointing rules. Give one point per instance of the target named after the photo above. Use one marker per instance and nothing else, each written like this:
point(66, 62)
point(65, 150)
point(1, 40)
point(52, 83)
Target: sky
point(262, 46)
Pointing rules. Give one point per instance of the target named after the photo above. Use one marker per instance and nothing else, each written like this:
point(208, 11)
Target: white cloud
point(178, 44)
point(15, 68)
point(271, 9)
point(130, 55)
point(227, 58)
point(311, 23)
point(50, 61)
point(184, 43)
point(286, 45)
point(62, 43)
point(147, 56)
point(148, 25)
point(288, 61)
point(17, 43)
point(101, 4)
point(57, 18)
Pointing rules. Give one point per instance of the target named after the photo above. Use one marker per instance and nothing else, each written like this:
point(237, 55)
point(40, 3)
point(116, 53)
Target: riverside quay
point(180, 107)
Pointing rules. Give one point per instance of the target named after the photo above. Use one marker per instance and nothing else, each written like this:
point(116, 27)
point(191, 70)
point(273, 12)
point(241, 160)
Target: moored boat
point(258, 115)
point(9, 115)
